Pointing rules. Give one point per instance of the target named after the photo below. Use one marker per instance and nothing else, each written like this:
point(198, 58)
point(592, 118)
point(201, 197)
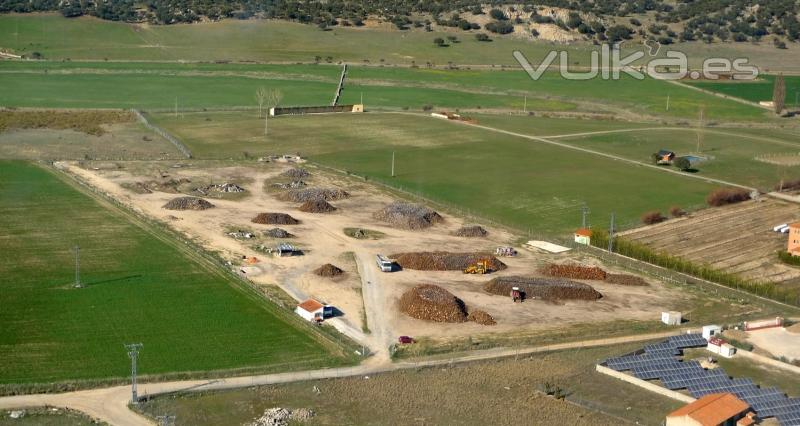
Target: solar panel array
point(659, 361)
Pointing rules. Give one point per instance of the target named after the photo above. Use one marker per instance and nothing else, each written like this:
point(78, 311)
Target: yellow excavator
point(480, 267)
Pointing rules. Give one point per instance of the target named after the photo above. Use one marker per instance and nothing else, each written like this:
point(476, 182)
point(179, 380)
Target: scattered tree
point(439, 41)
point(653, 217)
point(482, 37)
point(272, 99)
point(676, 211)
point(682, 163)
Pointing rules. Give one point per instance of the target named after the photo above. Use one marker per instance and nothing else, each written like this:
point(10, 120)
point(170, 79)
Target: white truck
point(384, 263)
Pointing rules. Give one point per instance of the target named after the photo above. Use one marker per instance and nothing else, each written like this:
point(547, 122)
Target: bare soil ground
point(322, 240)
point(777, 341)
point(737, 238)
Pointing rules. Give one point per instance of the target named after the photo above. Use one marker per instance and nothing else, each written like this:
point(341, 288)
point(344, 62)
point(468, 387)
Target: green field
point(515, 181)
point(159, 85)
point(731, 153)
point(253, 40)
point(140, 286)
point(756, 90)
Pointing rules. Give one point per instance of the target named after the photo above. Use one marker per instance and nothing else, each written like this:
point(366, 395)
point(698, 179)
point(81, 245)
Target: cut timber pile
point(295, 173)
point(481, 317)
point(433, 303)
point(471, 231)
point(170, 186)
point(277, 233)
point(625, 279)
point(275, 219)
point(542, 288)
point(575, 272)
point(291, 185)
point(313, 194)
point(317, 206)
point(188, 203)
point(328, 270)
point(445, 261)
point(408, 216)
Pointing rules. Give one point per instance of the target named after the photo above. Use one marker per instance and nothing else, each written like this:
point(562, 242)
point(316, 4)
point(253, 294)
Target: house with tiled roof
point(716, 409)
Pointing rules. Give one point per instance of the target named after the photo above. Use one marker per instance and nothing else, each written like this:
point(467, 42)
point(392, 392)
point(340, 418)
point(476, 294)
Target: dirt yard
point(322, 240)
point(777, 341)
point(737, 238)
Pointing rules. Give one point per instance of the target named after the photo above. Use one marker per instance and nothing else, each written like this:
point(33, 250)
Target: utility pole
point(392, 163)
point(78, 267)
point(700, 129)
point(525, 105)
point(795, 99)
point(176, 107)
point(584, 213)
point(667, 102)
point(611, 235)
point(133, 353)
point(362, 98)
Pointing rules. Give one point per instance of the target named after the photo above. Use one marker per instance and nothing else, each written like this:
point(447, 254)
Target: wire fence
point(163, 133)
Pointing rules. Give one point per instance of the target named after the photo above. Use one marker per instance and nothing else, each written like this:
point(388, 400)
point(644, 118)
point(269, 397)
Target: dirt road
point(374, 301)
point(110, 404)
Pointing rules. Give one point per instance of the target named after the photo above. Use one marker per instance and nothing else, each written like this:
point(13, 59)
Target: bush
point(676, 211)
point(482, 37)
point(653, 217)
point(788, 259)
point(500, 27)
point(498, 14)
point(788, 185)
point(427, 107)
point(682, 163)
point(725, 196)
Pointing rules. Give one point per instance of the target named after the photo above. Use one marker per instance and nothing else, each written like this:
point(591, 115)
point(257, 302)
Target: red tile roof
point(712, 409)
point(311, 305)
point(584, 232)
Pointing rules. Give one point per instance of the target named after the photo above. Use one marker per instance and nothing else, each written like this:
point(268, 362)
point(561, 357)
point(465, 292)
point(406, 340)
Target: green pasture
point(730, 153)
point(140, 286)
point(755, 90)
point(252, 40)
point(514, 181)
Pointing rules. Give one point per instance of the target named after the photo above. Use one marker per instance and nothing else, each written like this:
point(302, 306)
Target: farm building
point(671, 318)
point(583, 236)
point(711, 330)
point(793, 246)
point(665, 156)
point(313, 310)
point(712, 410)
point(718, 346)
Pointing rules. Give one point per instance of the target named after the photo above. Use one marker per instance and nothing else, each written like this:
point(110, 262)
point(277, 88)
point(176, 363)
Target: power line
point(133, 353)
point(78, 267)
point(611, 234)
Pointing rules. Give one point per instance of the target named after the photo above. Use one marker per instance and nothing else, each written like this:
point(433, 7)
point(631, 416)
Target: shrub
point(482, 37)
point(653, 217)
point(788, 185)
point(427, 107)
point(725, 196)
point(676, 211)
point(788, 259)
point(498, 14)
point(682, 163)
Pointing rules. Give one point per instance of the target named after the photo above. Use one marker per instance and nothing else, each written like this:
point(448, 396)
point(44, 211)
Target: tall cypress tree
point(779, 94)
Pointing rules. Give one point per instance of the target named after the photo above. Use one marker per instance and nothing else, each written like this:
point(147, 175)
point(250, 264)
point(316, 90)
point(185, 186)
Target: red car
point(405, 340)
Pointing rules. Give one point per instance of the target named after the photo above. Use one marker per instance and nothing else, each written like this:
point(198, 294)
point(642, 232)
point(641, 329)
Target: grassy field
point(491, 392)
point(139, 287)
point(731, 153)
point(90, 38)
point(159, 85)
point(518, 182)
point(756, 90)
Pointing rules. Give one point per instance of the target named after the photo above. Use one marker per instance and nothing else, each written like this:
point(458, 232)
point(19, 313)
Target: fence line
point(178, 144)
point(340, 86)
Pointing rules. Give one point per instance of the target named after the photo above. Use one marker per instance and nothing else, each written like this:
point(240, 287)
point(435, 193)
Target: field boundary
point(163, 133)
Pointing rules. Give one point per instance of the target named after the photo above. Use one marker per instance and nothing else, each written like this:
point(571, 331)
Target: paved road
point(110, 404)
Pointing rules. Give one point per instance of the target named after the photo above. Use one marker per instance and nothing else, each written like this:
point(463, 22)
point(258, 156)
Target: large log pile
point(542, 288)
point(470, 231)
point(302, 195)
point(317, 206)
point(445, 261)
point(575, 272)
point(274, 219)
point(433, 303)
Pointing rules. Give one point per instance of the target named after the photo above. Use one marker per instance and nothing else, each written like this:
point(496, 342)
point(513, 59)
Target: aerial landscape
point(231, 212)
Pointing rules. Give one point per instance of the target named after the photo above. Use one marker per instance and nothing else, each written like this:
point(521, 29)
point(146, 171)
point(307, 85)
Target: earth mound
point(542, 288)
point(313, 194)
point(625, 279)
point(188, 203)
point(408, 215)
point(275, 219)
point(296, 173)
point(328, 270)
point(481, 317)
point(317, 206)
point(277, 233)
point(433, 303)
point(471, 231)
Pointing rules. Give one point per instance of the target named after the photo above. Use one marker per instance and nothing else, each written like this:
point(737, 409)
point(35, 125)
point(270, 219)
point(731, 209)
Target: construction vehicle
point(480, 267)
point(516, 294)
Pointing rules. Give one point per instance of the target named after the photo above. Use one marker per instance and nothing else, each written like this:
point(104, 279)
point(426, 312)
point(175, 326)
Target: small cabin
point(583, 236)
point(665, 156)
point(313, 310)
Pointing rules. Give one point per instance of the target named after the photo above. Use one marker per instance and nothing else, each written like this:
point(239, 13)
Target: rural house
point(793, 247)
point(312, 310)
point(665, 156)
point(712, 410)
point(583, 236)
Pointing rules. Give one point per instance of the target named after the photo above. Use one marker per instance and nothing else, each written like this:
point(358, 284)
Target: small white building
point(671, 318)
point(720, 347)
point(312, 310)
point(711, 330)
point(583, 236)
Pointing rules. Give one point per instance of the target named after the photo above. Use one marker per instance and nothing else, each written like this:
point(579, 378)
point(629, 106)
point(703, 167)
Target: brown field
point(497, 392)
point(737, 239)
